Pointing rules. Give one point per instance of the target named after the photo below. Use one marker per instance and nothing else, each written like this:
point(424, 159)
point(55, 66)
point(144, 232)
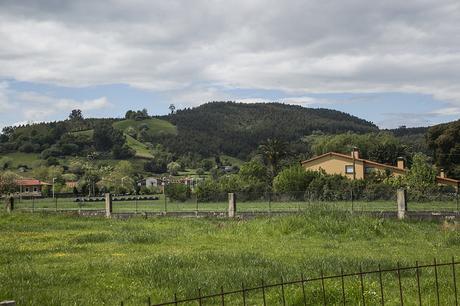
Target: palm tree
point(273, 151)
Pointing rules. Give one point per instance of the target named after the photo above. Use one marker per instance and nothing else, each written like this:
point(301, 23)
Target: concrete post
point(9, 204)
point(402, 203)
point(231, 205)
point(7, 303)
point(108, 205)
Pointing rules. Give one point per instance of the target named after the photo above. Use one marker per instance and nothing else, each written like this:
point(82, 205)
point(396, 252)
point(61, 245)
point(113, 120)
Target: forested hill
point(238, 128)
point(444, 141)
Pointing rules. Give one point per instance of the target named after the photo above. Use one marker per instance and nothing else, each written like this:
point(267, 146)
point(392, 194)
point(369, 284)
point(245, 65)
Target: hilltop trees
point(236, 129)
point(76, 115)
point(137, 115)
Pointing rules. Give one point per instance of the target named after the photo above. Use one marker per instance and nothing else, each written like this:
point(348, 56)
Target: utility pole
point(54, 179)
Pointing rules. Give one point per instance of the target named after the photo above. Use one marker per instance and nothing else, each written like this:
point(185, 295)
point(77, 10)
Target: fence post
point(402, 203)
point(269, 202)
point(108, 205)
point(56, 203)
point(9, 204)
point(456, 198)
point(231, 205)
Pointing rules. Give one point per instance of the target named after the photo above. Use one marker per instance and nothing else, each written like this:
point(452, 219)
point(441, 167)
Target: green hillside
point(237, 129)
point(141, 149)
point(21, 159)
point(153, 126)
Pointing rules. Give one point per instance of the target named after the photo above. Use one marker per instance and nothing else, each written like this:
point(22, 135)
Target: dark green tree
point(76, 115)
point(273, 151)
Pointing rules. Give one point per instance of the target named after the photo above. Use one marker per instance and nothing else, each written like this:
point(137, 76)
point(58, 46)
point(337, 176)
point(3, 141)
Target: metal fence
point(427, 284)
point(263, 202)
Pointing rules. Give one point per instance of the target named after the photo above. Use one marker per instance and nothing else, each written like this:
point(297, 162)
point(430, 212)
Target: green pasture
point(142, 150)
point(162, 204)
point(155, 126)
point(54, 259)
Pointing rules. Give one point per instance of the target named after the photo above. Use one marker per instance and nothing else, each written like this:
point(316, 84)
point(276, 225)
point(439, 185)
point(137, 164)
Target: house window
point(349, 169)
point(35, 189)
point(27, 189)
point(369, 170)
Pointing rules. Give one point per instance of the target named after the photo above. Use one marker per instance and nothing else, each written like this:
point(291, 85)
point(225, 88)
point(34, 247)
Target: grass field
point(193, 204)
point(19, 158)
point(156, 126)
point(48, 259)
point(141, 149)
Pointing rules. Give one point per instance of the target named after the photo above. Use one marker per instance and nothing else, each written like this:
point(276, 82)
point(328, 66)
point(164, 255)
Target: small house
point(355, 167)
point(31, 187)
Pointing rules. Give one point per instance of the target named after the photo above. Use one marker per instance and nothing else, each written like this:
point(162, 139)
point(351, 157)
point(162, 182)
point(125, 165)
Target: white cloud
point(34, 107)
point(4, 101)
point(186, 48)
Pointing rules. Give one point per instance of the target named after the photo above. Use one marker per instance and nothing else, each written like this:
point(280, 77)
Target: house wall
point(335, 165)
point(151, 182)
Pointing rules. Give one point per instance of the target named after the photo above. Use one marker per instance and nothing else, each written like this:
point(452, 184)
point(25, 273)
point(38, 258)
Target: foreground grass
point(63, 260)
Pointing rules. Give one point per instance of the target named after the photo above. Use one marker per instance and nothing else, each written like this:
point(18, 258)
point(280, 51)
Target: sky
point(390, 62)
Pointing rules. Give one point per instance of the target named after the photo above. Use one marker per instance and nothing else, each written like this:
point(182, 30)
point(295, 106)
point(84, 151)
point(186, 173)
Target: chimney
point(442, 173)
point(401, 163)
point(355, 153)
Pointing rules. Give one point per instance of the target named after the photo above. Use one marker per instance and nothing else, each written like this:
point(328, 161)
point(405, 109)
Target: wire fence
point(422, 284)
point(266, 202)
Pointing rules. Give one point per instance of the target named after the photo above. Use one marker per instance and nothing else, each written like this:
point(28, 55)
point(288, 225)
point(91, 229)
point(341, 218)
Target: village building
point(31, 187)
point(354, 167)
point(71, 184)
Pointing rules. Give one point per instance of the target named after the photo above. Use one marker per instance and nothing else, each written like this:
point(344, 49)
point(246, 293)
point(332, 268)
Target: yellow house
point(354, 167)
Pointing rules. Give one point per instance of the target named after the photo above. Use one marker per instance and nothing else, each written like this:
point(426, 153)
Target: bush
point(293, 179)
point(5, 163)
point(208, 191)
point(53, 151)
point(156, 166)
point(178, 192)
point(70, 149)
point(52, 161)
point(173, 168)
point(122, 152)
point(27, 147)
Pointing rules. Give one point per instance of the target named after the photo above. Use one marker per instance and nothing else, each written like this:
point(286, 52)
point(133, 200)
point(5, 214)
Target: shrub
point(173, 168)
point(293, 179)
point(209, 191)
point(178, 192)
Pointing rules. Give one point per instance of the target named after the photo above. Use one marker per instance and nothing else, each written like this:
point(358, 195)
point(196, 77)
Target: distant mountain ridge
point(237, 129)
point(230, 128)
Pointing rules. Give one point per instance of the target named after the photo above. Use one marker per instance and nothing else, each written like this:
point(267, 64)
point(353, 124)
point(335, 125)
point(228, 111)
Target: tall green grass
point(63, 260)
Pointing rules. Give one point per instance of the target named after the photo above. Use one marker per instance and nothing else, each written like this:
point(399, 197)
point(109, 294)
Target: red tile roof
point(30, 182)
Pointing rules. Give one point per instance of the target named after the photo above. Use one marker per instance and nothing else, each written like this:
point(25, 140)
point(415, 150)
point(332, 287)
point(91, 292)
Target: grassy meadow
point(48, 259)
point(155, 126)
point(162, 204)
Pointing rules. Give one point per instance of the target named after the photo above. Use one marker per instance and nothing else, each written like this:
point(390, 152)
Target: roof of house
point(30, 182)
point(349, 157)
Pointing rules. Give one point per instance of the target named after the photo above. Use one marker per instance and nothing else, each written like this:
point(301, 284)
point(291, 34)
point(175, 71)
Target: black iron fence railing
point(432, 284)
